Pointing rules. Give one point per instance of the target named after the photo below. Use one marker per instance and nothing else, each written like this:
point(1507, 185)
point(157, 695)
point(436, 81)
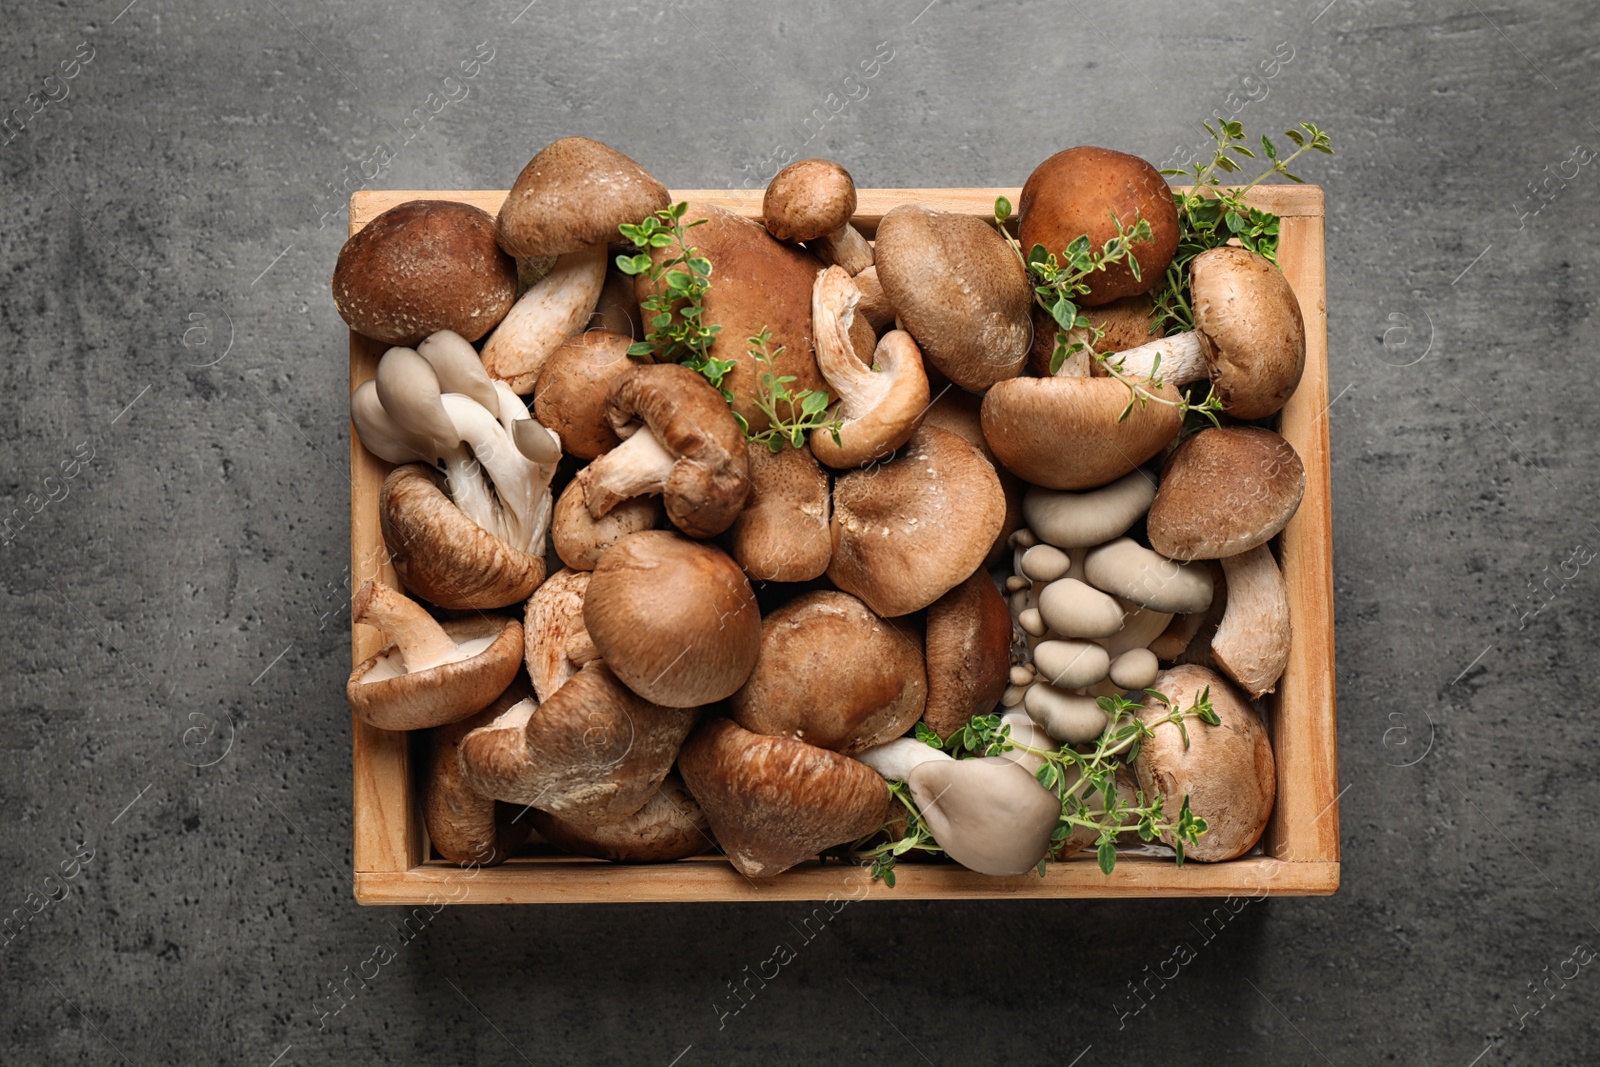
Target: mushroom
point(556, 645)
point(1024, 731)
point(1225, 491)
point(675, 619)
point(774, 802)
point(1135, 669)
point(812, 200)
point(1081, 520)
point(1069, 433)
point(573, 195)
point(617, 310)
point(1069, 664)
point(679, 440)
point(594, 752)
point(893, 760)
point(989, 814)
point(1248, 338)
point(670, 826)
point(428, 674)
point(959, 290)
point(1123, 324)
point(1072, 608)
point(907, 531)
point(1251, 644)
point(580, 539)
point(1087, 191)
point(1225, 771)
point(782, 534)
point(465, 827)
point(555, 308)
point(960, 412)
point(1071, 718)
point(1140, 626)
point(570, 397)
point(879, 406)
point(833, 674)
point(1147, 578)
point(874, 306)
point(968, 651)
point(422, 266)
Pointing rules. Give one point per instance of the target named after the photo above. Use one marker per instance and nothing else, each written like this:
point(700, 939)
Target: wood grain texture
point(1301, 842)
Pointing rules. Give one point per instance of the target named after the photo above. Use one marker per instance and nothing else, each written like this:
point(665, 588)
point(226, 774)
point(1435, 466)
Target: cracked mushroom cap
point(1224, 491)
point(570, 397)
point(675, 619)
point(1067, 433)
point(774, 802)
point(1226, 771)
point(782, 533)
point(464, 826)
point(580, 539)
point(968, 653)
point(1076, 192)
point(670, 826)
point(960, 292)
point(573, 194)
point(555, 643)
point(424, 266)
point(442, 555)
point(1250, 328)
point(908, 531)
point(833, 674)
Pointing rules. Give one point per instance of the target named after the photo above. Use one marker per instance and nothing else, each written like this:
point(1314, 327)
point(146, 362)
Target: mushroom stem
point(844, 247)
point(833, 309)
point(580, 649)
point(1177, 358)
point(521, 485)
point(532, 438)
point(423, 643)
point(639, 466)
point(1252, 641)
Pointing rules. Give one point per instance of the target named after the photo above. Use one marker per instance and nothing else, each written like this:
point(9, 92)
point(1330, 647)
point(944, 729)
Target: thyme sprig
point(790, 415)
point(676, 305)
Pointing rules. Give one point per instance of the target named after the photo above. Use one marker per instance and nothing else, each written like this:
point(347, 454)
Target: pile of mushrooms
point(716, 646)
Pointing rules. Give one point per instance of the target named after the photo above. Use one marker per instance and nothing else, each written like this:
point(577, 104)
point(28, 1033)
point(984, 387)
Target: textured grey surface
point(170, 221)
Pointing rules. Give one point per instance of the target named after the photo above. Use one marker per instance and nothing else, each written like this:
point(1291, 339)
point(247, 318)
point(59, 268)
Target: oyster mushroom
point(990, 814)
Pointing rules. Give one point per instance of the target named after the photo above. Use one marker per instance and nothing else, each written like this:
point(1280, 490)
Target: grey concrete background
point(175, 612)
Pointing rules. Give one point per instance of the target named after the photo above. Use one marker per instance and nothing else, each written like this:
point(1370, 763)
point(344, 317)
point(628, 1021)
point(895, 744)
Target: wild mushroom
point(580, 539)
point(1072, 608)
point(907, 531)
point(422, 266)
point(833, 674)
point(874, 306)
point(959, 290)
point(1248, 336)
point(1225, 491)
point(465, 827)
point(543, 318)
point(1147, 578)
point(774, 802)
point(1123, 324)
point(556, 645)
point(1225, 771)
point(1068, 717)
point(1251, 644)
point(670, 826)
point(812, 200)
point(1088, 191)
point(573, 194)
point(679, 441)
point(594, 752)
point(1069, 433)
point(989, 814)
point(675, 619)
point(1081, 520)
point(782, 534)
point(570, 397)
point(879, 406)
point(960, 412)
point(429, 673)
point(968, 652)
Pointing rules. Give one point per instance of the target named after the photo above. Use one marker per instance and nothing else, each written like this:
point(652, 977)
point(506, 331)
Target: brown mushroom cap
point(675, 619)
point(907, 531)
point(424, 266)
point(1226, 771)
point(774, 802)
point(959, 290)
point(833, 674)
point(594, 752)
point(570, 397)
point(1065, 433)
point(782, 534)
point(670, 826)
point(574, 193)
point(1128, 323)
point(808, 199)
point(968, 653)
point(443, 556)
point(1076, 192)
point(553, 629)
point(383, 693)
point(465, 827)
point(1251, 331)
point(756, 282)
point(580, 539)
point(1225, 491)
point(961, 413)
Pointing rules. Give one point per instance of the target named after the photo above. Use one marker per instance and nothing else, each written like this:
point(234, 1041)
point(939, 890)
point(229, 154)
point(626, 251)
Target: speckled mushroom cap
point(833, 674)
point(782, 534)
point(443, 556)
point(1226, 771)
point(573, 194)
point(959, 291)
point(907, 531)
point(1066, 433)
point(580, 539)
point(570, 397)
point(1075, 193)
point(675, 619)
point(1224, 491)
point(808, 199)
point(435, 696)
point(1251, 331)
point(968, 653)
point(424, 266)
point(670, 826)
point(774, 802)
point(464, 826)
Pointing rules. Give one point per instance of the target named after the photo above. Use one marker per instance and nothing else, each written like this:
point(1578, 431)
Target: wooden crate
point(1301, 844)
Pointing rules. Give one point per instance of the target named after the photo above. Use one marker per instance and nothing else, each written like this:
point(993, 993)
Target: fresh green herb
point(790, 416)
point(676, 304)
point(882, 854)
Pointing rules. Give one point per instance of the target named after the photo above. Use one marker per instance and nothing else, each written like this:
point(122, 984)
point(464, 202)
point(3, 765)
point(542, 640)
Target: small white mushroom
point(1135, 669)
point(1069, 664)
point(1079, 520)
point(1026, 732)
point(1140, 626)
point(1252, 641)
point(990, 815)
point(1015, 584)
point(1071, 718)
point(1022, 674)
point(1147, 578)
point(1045, 563)
point(895, 759)
point(1074, 609)
point(1031, 621)
point(1013, 695)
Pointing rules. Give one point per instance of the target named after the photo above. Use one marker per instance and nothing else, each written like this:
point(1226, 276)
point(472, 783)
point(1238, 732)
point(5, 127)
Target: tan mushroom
point(1251, 644)
point(812, 200)
point(429, 673)
point(580, 539)
point(968, 652)
point(670, 826)
point(465, 827)
point(1225, 491)
point(1068, 433)
point(782, 534)
point(570, 397)
point(989, 814)
point(556, 645)
point(960, 412)
point(574, 194)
